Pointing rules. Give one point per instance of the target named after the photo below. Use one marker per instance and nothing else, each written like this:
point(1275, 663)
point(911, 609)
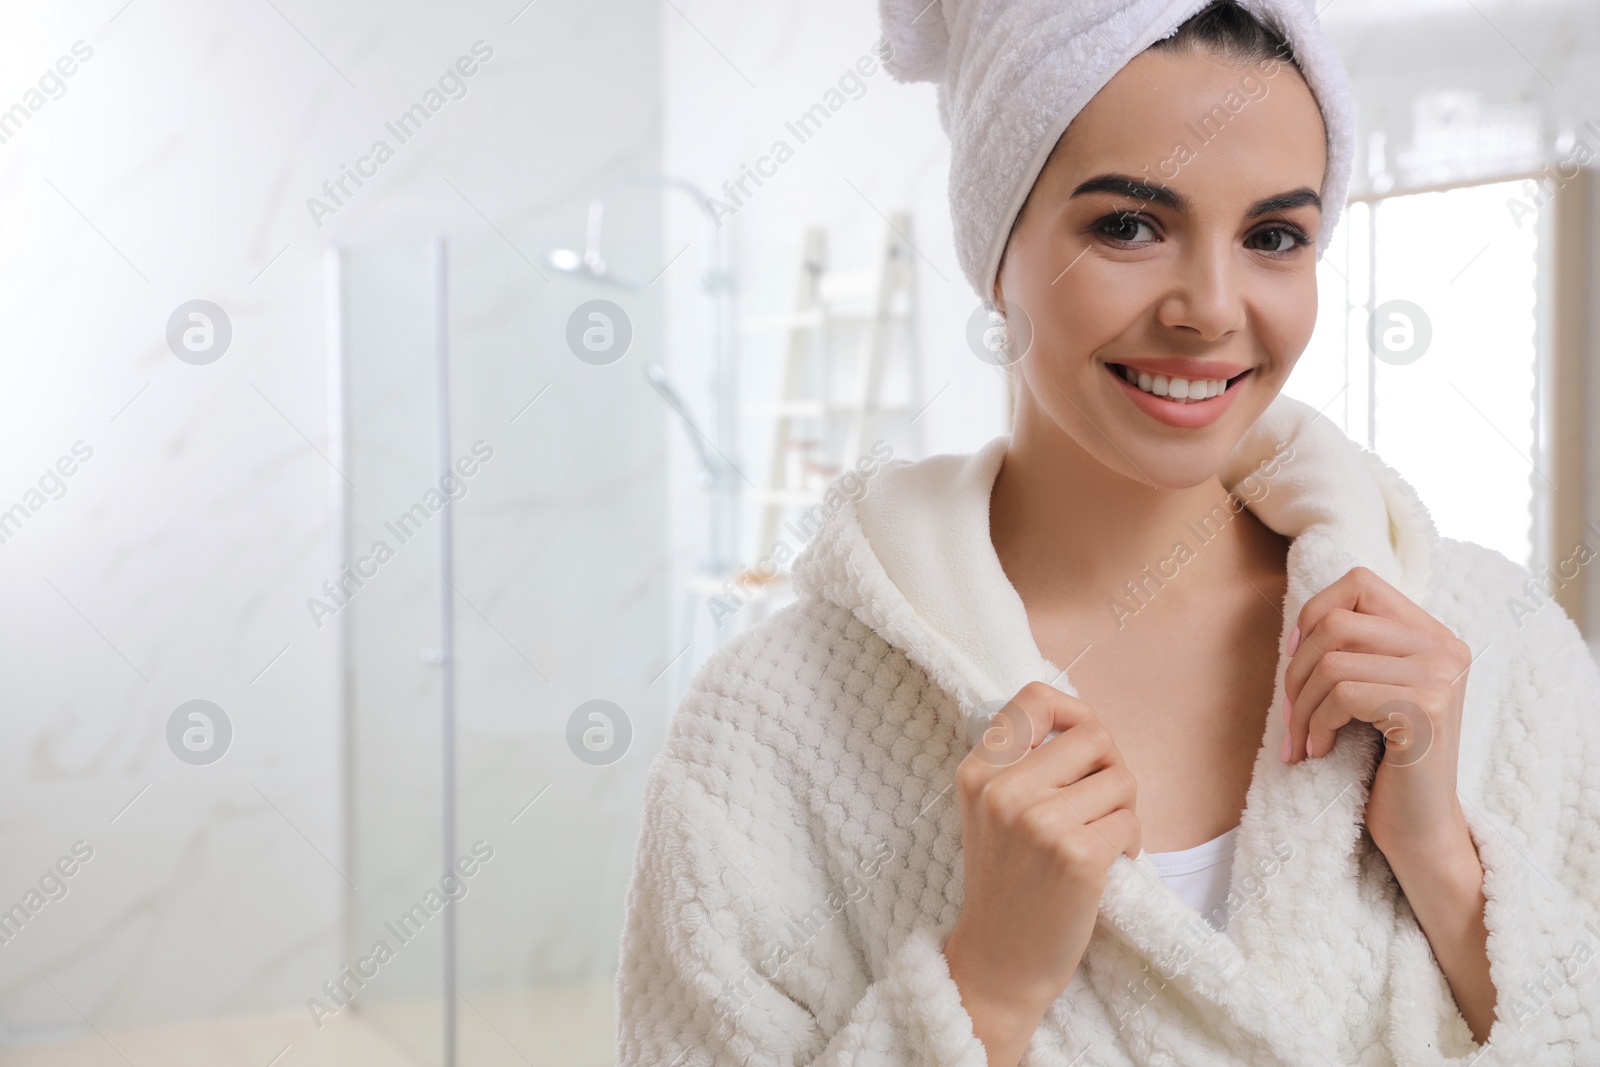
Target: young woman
point(1166, 729)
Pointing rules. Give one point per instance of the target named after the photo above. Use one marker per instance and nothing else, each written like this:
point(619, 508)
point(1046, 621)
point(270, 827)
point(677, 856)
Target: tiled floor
point(569, 1026)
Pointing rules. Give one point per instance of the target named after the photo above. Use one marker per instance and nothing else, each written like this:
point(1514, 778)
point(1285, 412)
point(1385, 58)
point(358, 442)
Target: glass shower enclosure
point(505, 612)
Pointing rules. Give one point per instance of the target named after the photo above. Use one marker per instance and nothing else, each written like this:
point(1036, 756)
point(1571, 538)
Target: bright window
point(1449, 394)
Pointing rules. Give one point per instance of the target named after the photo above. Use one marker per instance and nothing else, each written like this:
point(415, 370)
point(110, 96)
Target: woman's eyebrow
point(1125, 185)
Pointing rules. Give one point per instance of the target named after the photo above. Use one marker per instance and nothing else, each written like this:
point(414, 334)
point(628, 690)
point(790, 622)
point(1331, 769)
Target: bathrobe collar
point(913, 560)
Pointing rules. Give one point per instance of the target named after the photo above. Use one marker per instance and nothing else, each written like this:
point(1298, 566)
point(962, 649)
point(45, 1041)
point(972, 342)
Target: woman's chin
point(1167, 457)
point(1150, 439)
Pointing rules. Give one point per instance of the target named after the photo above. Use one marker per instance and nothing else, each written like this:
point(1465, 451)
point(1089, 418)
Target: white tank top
point(1199, 875)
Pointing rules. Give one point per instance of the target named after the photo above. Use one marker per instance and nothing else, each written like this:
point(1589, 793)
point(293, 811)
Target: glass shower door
point(387, 606)
point(498, 736)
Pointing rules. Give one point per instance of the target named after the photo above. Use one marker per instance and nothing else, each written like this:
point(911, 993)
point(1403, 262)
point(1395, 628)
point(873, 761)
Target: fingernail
point(1283, 753)
point(1294, 640)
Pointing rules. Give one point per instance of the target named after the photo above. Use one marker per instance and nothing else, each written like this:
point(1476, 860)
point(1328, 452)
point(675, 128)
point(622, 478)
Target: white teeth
point(1177, 390)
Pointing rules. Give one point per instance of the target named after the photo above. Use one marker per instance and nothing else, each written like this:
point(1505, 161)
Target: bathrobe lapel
point(925, 577)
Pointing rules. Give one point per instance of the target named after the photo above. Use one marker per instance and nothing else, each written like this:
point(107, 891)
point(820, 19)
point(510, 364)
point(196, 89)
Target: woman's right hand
point(1041, 825)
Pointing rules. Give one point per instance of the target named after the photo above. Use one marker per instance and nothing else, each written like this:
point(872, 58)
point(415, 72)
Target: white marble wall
point(736, 84)
point(176, 165)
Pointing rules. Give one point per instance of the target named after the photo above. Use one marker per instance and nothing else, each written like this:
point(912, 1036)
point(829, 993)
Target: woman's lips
point(1190, 415)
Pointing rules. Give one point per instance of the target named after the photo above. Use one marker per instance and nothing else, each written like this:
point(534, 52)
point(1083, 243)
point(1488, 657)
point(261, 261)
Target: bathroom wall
point(880, 150)
point(176, 163)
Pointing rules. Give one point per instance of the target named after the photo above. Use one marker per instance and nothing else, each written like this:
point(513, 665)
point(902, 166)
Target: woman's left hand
point(1366, 651)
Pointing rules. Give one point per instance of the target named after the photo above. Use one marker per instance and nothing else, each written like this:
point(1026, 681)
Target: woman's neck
point(1065, 526)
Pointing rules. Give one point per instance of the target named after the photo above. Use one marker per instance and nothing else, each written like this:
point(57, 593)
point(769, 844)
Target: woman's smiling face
point(1196, 264)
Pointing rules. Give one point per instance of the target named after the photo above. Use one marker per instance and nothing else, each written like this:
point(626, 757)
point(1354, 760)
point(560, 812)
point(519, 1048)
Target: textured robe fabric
point(799, 865)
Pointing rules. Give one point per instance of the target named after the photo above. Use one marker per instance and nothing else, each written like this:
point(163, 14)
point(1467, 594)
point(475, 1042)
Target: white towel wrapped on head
point(1011, 74)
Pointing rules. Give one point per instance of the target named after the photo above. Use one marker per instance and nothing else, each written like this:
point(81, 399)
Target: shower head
point(588, 265)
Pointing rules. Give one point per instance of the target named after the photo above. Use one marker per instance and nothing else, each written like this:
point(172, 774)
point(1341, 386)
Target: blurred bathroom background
point(402, 400)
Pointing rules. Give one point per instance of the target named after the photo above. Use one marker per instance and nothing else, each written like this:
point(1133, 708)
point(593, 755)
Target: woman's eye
point(1278, 239)
point(1123, 228)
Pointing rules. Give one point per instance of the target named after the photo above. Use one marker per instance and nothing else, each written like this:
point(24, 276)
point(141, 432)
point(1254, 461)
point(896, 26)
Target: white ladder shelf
point(880, 301)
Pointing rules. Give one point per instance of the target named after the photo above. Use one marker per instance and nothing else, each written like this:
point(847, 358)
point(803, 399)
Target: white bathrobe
point(799, 866)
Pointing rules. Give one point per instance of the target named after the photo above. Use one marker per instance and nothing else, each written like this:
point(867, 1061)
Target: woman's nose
point(1206, 295)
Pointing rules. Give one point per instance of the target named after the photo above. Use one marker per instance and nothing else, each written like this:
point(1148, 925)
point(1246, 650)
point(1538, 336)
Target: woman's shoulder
point(800, 731)
point(795, 686)
point(1534, 693)
point(1498, 599)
